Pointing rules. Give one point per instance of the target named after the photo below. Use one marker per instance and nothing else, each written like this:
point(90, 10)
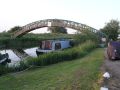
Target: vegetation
point(14, 29)
point(57, 29)
point(55, 57)
point(87, 35)
point(32, 36)
point(79, 74)
point(33, 39)
point(60, 56)
point(4, 69)
point(49, 36)
point(29, 39)
point(111, 29)
point(18, 43)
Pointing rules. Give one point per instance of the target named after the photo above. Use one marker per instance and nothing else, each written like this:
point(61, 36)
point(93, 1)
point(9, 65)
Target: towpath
point(113, 67)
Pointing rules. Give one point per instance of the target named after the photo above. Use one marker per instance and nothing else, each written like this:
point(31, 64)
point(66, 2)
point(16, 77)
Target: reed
point(52, 58)
point(65, 55)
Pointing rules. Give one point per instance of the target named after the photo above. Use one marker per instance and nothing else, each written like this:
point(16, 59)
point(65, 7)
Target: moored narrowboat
point(52, 45)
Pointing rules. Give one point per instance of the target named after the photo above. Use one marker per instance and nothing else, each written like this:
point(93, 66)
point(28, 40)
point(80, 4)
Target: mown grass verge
point(78, 74)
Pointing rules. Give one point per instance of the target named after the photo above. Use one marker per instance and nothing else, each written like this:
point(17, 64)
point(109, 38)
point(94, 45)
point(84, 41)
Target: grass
point(29, 39)
point(51, 58)
point(79, 74)
point(65, 55)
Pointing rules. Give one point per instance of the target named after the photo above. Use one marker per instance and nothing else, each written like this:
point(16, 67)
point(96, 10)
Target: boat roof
point(58, 40)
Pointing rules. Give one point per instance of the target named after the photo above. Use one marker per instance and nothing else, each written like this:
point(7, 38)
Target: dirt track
point(113, 67)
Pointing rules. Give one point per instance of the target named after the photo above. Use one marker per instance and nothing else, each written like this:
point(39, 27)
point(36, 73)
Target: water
point(18, 54)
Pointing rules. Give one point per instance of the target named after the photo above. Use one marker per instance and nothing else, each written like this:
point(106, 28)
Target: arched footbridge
point(56, 22)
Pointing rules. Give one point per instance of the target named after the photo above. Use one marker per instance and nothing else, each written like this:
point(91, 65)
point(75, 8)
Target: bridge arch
point(55, 22)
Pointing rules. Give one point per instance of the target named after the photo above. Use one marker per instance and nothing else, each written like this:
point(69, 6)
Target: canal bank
point(79, 74)
point(15, 55)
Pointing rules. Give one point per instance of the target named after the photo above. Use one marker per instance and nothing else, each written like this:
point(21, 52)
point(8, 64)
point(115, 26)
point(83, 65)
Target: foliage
point(65, 55)
point(47, 36)
point(111, 29)
point(29, 39)
point(18, 43)
point(4, 69)
point(52, 58)
point(86, 35)
point(57, 29)
point(14, 29)
point(5, 35)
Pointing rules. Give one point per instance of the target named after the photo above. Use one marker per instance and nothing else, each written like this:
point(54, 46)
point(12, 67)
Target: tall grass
point(65, 55)
point(87, 35)
point(52, 58)
point(4, 69)
point(29, 39)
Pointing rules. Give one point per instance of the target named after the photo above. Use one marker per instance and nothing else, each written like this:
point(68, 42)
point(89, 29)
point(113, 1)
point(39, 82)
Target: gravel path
point(113, 67)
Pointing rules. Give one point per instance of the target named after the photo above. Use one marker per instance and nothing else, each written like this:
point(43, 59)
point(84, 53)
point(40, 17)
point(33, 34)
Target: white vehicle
point(52, 45)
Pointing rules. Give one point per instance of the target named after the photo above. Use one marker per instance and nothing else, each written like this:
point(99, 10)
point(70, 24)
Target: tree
point(111, 29)
point(57, 29)
point(84, 36)
point(14, 29)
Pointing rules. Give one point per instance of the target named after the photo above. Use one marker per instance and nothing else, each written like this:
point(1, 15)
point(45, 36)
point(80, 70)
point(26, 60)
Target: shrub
point(83, 37)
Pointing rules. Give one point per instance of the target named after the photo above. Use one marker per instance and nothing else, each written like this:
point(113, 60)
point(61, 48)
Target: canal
point(15, 55)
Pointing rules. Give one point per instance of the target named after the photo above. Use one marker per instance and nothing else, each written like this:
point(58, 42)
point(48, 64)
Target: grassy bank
point(28, 40)
point(52, 58)
point(79, 74)
point(65, 55)
point(31, 39)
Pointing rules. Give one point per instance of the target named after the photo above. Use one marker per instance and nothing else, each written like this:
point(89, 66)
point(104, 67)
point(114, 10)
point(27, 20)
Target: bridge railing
point(56, 22)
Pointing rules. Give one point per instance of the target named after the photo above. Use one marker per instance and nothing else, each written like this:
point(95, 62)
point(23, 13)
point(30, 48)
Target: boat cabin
point(53, 45)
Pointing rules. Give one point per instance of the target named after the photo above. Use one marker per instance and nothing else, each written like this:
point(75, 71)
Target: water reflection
point(18, 54)
point(31, 51)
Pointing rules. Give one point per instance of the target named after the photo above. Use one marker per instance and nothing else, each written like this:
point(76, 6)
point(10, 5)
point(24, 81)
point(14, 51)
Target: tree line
point(112, 30)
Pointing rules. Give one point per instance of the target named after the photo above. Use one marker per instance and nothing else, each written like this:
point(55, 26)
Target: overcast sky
point(94, 13)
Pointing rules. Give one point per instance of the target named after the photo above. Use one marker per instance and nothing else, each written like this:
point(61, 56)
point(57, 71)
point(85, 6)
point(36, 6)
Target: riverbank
point(79, 74)
point(52, 58)
point(29, 40)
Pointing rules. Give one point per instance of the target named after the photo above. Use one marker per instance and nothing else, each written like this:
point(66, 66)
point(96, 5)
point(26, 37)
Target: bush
point(83, 37)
